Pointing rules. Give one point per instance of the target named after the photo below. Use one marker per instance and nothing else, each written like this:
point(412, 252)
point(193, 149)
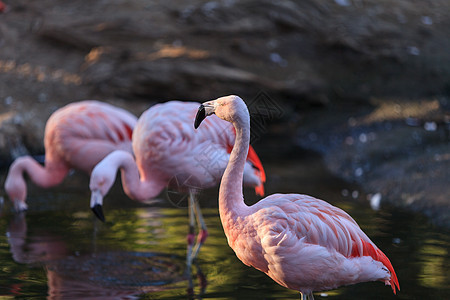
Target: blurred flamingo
point(301, 242)
point(3, 7)
point(169, 153)
point(77, 136)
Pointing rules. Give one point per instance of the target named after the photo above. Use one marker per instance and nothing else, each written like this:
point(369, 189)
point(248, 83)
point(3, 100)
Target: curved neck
point(50, 175)
point(15, 185)
point(134, 184)
point(231, 199)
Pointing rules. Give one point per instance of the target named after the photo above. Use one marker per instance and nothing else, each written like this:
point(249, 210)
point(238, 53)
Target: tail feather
point(259, 190)
point(387, 263)
point(369, 249)
point(254, 159)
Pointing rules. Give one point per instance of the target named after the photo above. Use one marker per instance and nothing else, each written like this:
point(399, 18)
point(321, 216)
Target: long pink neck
point(231, 199)
point(15, 185)
point(48, 176)
point(138, 187)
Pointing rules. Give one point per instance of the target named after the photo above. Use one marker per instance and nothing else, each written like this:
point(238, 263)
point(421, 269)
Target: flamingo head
point(16, 187)
point(102, 179)
point(228, 108)
point(17, 195)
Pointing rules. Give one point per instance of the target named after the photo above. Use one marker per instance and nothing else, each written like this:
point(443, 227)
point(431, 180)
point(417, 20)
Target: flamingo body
point(301, 242)
point(77, 136)
point(166, 146)
point(306, 244)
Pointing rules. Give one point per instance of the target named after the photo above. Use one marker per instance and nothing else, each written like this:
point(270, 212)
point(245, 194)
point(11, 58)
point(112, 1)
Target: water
point(60, 251)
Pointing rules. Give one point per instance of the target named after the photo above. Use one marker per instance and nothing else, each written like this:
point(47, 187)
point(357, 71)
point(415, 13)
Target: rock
point(405, 165)
point(186, 78)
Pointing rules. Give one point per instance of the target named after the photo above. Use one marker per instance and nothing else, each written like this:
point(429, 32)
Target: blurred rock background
point(366, 83)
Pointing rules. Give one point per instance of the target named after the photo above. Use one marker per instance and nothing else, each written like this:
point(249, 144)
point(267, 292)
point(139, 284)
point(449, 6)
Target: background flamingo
point(302, 243)
point(168, 150)
point(3, 7)
point(77, 136)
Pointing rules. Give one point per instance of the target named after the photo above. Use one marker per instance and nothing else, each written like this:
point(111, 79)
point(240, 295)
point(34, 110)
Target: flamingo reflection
point(96, 275)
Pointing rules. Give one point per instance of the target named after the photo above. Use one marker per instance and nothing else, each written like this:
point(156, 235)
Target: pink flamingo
point(77, 136)
point(169, 151)
point(3, 7)
point(301, 242)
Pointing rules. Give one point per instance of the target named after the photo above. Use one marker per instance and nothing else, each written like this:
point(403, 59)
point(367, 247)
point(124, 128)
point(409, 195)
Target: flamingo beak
point(201, 115)
point(98, 212)
point(96, 205)
point(205, 109)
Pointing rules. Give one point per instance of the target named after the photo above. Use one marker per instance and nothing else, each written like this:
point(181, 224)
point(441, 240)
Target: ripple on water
point(120, 271)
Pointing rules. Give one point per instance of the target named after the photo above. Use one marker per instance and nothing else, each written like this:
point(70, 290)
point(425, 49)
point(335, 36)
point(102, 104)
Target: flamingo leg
point(190, 289)
point(190, 236)
point(202, 281)
point(309, 296)
point(203, 233)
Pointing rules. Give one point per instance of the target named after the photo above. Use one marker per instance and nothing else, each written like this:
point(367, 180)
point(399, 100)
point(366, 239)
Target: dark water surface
point(58, 250)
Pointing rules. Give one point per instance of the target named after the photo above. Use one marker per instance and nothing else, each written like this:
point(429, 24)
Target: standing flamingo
point(301, 242)
point(77, 136)
point(166, 147)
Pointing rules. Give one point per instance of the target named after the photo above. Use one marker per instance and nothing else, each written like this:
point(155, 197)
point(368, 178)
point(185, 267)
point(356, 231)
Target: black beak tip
point(98, 211)
point(201, 115)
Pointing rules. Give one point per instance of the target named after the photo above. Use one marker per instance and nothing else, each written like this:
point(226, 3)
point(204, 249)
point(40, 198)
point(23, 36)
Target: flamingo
point(301, 242)
point(168, 150)
point(77, 136)
point(3, 7)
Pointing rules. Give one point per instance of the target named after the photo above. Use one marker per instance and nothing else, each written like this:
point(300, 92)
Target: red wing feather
point(369, 250)
point(254, 159)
